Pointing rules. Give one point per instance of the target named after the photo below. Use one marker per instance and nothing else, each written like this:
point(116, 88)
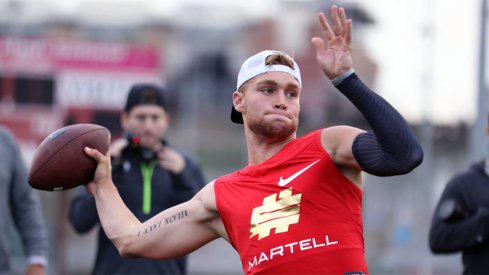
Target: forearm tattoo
point(168, 220)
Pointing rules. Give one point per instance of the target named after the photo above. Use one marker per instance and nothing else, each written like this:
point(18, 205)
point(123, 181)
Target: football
point(60, 163)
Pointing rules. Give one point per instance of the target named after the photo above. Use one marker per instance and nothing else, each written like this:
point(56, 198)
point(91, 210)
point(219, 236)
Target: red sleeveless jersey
point(295, 213)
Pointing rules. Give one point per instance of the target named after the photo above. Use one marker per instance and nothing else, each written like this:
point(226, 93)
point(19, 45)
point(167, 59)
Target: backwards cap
point(145, 94)
point(255, 65)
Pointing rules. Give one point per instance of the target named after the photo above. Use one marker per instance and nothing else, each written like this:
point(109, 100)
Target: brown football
point(60, 163)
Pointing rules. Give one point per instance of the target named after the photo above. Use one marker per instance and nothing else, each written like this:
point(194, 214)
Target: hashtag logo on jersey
point(273, 213)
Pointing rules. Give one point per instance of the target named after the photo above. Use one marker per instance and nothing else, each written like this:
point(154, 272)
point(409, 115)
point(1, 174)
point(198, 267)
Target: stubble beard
point(272, 130)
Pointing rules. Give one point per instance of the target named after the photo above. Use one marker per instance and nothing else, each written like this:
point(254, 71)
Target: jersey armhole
point(217, 189)
point(319, 145)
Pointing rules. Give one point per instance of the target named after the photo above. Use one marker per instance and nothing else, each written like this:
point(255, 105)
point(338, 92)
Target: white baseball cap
point(255, 65)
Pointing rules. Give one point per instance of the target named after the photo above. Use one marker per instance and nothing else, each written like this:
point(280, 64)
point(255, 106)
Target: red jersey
point(295, 213)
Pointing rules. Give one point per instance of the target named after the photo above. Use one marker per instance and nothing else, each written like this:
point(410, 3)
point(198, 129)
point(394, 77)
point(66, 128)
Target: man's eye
point(291, 94)
point(267, 91)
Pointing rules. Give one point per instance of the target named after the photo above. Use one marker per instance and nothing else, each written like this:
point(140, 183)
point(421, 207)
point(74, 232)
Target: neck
point(261, 148)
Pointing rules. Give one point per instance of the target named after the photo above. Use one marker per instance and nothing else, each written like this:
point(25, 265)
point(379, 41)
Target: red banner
point(47, 56)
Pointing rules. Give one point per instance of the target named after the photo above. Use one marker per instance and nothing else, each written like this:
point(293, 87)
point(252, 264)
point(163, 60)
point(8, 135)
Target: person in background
point(20, 203)
point(460, 221)
point(150, 175)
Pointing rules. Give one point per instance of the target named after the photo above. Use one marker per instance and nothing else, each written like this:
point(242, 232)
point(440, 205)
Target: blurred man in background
point(461, 219)
point(19, 203)
point(150, 175)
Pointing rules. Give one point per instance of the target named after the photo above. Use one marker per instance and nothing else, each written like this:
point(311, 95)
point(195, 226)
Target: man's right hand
point(103, 175)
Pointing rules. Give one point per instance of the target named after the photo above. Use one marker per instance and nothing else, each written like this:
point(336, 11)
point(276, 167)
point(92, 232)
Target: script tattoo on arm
point(171, 219)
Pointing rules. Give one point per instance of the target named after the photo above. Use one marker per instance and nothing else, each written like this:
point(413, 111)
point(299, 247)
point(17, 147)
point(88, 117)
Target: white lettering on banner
point(19, 48)
point(65, 50)
point(106, 91)
point(290, 248)
point(110, 53)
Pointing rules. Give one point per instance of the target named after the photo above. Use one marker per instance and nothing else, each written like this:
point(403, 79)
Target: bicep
point(175, 232)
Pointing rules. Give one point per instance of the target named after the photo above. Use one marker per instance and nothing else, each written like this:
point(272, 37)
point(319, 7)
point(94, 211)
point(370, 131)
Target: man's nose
point(148, 122)
point(281, 101)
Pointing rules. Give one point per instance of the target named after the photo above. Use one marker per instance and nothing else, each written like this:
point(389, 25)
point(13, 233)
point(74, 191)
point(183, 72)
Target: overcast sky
point(410, 58)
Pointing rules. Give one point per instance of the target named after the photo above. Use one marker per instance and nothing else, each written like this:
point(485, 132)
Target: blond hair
point(276, 58)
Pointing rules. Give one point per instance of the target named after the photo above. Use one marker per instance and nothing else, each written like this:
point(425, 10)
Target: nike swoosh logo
point(284, 182)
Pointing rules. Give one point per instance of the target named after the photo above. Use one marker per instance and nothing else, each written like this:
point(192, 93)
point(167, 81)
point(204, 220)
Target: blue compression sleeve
point(391, 147)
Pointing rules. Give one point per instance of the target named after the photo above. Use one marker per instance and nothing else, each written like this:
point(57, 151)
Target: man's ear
point(238, 99)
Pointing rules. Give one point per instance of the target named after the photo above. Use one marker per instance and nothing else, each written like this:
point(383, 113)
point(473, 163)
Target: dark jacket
point(461, 220)
point(167, 190)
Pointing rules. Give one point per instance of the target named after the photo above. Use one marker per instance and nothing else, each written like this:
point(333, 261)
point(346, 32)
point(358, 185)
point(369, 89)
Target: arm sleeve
point(189, 181)
point(83, 214)
point(390, 148)
point(27, 212)
point(453, 236)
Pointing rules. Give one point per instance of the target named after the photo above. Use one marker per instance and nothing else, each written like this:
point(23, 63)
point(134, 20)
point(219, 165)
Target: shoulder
point(339, 130)
point(206, 200)
point(469, 176)
point(335, 136)
point(207, 197)
point(209, 213)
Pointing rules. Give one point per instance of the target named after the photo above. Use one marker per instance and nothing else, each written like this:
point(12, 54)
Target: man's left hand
point(334, 56)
